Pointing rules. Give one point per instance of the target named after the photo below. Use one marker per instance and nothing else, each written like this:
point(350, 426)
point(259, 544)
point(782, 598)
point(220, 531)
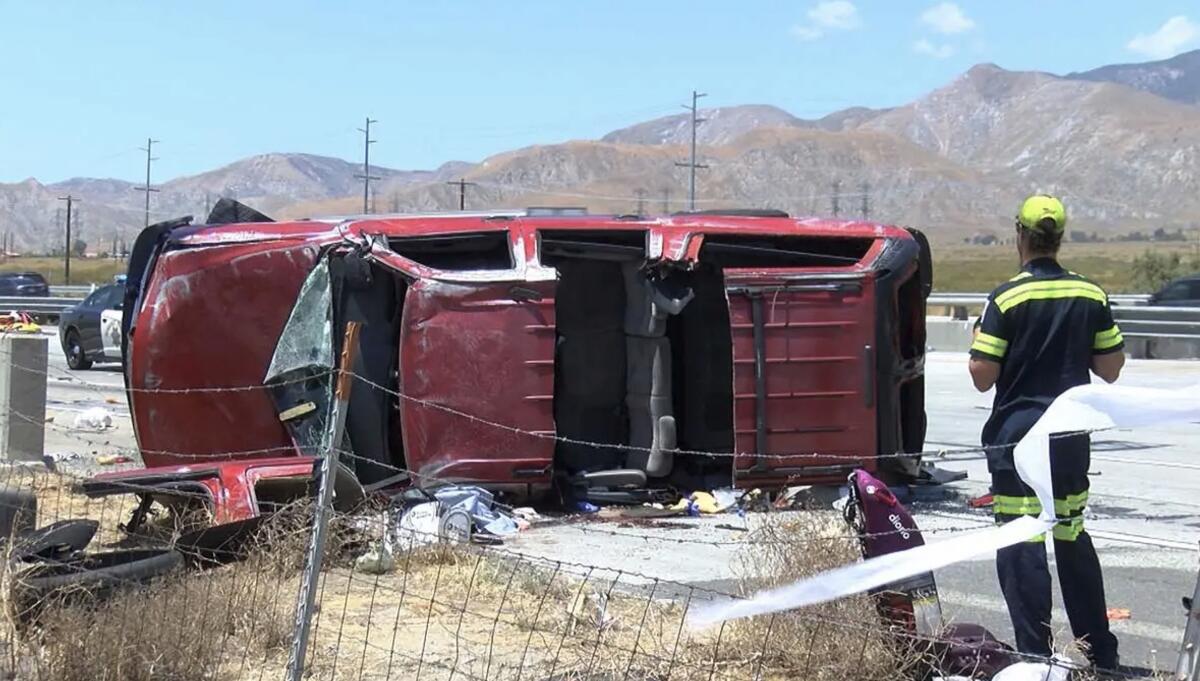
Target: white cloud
point(1170, 39)
point(831, 15)
point(947, 18)
point(925, 47)
point(835, 14)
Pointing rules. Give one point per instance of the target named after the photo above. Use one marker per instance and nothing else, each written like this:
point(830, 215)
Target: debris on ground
point(479, 505)
point(18, 322)
point(54, 458)
point(380, 556)
point(457, 514)
point(982, 501)
point(112, 459)
point(95, 419)
point(1115, 614)
point(1058, 669)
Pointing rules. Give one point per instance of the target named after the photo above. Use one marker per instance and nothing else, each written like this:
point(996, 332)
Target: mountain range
point(1121, 143)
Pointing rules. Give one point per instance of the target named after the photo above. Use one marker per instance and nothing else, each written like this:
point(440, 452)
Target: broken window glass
point(300, 374)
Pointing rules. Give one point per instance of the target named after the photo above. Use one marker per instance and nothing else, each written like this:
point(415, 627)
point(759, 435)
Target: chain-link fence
point(139, 580)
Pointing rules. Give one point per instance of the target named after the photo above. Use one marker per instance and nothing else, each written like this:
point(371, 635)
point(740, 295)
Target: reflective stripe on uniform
point(1074, 503)
point(1049, 290)
point(1068, 530)
point(989, 344)
point(1110, 338)
point(1021, 276)
point(1006, 505)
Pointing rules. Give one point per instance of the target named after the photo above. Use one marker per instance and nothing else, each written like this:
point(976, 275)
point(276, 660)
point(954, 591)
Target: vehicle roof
point(451, 223)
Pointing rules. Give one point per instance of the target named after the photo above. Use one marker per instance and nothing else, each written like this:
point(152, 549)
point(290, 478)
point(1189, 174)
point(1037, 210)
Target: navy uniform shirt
point(1043, 327)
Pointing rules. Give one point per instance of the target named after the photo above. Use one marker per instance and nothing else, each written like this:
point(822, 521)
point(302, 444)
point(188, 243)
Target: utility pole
point(641, 202)
point(691, 165)
point(67, 254)
point(395, 208)
point(149, 159)
point(666, 204)
point(366, 173)
point(462, 185)
point(837, 197)
point(865, 187)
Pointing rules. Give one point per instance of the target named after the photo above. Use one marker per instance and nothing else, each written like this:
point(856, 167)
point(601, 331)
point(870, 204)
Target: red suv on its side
point(615, 354)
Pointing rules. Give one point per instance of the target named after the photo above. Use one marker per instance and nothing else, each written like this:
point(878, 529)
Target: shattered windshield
point(307, 340)
point(300, 373)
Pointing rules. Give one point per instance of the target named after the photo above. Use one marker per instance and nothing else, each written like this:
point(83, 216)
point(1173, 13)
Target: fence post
point(1188, 667)
point(307, 596)
point(22, 397)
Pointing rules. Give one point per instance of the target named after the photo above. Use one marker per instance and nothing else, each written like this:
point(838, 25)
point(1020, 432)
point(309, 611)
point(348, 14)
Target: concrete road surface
point(1145, 515)
point(1145, 519)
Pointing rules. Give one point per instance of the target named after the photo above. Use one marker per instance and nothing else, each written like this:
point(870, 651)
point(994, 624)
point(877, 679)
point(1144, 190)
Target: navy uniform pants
point(1023, 571)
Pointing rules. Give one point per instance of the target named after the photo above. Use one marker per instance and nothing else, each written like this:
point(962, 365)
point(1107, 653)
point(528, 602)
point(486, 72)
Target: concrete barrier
point(948, 334)
point(23, 363)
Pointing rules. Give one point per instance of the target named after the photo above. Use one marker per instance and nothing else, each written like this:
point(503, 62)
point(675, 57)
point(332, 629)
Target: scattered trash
point(727, 496)
point(982, 501)
point(111, 400)
point(96, 418)
point(419, 525)
point(1059, 669)
point(380, 557)
point(18, 322)
point(112, 459)
point(525, 513)
point(52, 459)
point(456, 526)
point(702, 503)
point(478, 505)
point(586, 507)
point(1119, 614)
point(590, 609)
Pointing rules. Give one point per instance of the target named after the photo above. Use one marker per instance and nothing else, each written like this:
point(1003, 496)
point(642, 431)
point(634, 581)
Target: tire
point(91, 577)
point(73, 348)
point(65, 537)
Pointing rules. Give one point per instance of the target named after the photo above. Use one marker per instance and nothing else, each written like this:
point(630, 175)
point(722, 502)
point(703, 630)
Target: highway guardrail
point(1135, 317)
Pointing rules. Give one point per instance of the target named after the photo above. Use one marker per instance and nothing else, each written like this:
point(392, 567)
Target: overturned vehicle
point(605, 358)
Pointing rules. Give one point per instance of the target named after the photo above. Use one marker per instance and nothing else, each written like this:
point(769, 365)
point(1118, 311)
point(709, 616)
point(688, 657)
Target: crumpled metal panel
point(210, 319)
point(487, 351)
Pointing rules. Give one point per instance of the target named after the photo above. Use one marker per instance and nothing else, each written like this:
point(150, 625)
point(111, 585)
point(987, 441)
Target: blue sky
point(83, 83)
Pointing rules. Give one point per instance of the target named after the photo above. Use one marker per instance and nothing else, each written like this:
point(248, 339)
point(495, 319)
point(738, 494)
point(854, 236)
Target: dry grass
point(465, 611)
point(190, 628)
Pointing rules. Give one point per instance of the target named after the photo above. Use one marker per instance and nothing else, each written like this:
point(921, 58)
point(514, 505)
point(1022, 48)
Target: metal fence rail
point(49, 307)
point(1136, 318)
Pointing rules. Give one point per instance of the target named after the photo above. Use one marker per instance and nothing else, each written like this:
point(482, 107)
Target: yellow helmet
point(1035, 211)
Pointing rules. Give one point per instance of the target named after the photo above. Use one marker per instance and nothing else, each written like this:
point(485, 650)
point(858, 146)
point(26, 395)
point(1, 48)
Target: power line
point(366, 176)
point(149, 159)
point(67, 253)
point(462, 185)
point(691, 165)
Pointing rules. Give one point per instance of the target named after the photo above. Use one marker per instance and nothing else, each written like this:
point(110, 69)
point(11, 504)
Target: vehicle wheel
point(65, 537)
point(91, 577)
point(73, 347)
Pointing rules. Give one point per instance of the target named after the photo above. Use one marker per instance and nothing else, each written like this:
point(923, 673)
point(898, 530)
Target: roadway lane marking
point(1132, 627)
point(1146, 462)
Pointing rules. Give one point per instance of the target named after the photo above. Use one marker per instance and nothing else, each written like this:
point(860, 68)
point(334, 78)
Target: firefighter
point(1042, 332)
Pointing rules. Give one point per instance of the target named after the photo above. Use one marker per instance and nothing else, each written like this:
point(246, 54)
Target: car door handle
point(522, 294)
